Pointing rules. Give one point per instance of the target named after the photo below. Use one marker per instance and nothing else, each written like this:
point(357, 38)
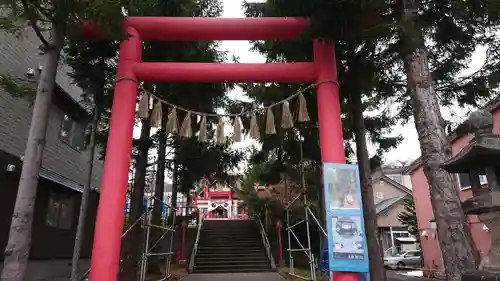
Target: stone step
point(231, 267)
point(232, 233)
point(225, 243)
point(249, 254)
point(233, 270)
point(230, 248)
point(208, 261)
point(222, 258)
point(228, 236)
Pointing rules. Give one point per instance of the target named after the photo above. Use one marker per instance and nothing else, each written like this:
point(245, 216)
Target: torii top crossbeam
point(194, 29)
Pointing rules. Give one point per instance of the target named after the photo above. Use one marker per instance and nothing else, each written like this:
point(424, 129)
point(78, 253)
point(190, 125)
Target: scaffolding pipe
point(295, 224)
point(317, 222)
point(312, 265)
point(293, 201)
point(145, 253)
point(147, 249)
point(302, 248)
point(307, 214)
point(168, 261)
point(290, 255)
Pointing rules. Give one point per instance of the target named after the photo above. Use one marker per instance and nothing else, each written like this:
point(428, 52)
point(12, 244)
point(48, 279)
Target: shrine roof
point(389, 203)
point(480, 152)
point(491, 106)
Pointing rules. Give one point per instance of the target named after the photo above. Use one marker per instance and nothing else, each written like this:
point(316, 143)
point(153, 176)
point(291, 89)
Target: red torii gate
point(109, 223)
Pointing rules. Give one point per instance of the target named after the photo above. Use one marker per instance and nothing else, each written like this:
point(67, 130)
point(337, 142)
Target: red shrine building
point(218, 201)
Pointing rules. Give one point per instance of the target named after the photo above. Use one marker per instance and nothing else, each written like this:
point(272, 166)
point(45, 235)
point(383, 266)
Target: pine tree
point(400, 29)
point(408, 218)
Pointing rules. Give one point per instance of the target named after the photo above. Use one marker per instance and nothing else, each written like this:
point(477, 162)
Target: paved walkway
point(260, 276)
point(51, 270)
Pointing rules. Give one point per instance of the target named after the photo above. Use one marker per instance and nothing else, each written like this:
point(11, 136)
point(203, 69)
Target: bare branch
point(46, 13)
point(32, 21)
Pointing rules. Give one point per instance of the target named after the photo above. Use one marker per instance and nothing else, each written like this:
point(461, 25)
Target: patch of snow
point(416, 273)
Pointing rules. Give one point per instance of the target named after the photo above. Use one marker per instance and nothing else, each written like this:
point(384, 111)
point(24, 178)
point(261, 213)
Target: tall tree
point(369, 211)
point(60, 19)
point(93, 71)
point(360, 71)
point(452, 226)
point(132, 245)
point(401, 29)
point(153, 263)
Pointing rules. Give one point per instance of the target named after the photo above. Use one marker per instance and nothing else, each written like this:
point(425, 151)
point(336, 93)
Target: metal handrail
point(267, 245)
point(86, 273)
point(195, 247)
point(143, 215)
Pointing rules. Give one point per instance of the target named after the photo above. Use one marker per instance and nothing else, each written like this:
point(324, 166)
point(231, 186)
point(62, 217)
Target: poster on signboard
point(344, 210)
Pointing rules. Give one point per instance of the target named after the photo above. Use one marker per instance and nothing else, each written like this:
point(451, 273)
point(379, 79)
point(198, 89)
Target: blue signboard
point(126, 206)
point(346, 228)
point(324, 262)
point(163, 209)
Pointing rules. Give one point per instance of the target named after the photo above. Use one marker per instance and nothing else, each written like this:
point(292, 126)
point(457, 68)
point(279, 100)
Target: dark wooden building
point(64, 165)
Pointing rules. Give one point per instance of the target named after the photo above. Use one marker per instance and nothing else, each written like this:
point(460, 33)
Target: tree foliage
point(51, 21)
point(93, 70)
point(408, 217)
point(453, 30)
point(375, 42)
point(404, 39)
point(66, 16)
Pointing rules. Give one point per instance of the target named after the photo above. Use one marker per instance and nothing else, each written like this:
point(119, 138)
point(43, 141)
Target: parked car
point(409, 259)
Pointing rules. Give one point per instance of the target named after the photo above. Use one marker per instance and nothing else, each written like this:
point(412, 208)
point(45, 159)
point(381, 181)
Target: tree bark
point(321, 219)
point(377, 270)
point(18, 246)
point(175, 184)
point(133, 246)
point(459, 255)
point(80, 229)
point(154, 262)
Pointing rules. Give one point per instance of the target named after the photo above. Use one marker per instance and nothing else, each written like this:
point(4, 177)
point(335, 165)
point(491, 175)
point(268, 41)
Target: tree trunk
point(459, 256)
point(154, 262)
point(133, 246)
point(377, 270)
point(321, 219)
point(18, 245)
point(80, 229)
point(175, 184)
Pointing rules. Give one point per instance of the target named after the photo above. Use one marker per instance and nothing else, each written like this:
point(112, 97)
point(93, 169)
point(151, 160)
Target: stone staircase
point(229, 246)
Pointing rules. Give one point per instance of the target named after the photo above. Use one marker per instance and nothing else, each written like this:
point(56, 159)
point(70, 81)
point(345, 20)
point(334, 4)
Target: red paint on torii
point(197, 29)
point(109, 222)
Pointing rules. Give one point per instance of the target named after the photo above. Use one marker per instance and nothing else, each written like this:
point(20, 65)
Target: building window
point(464, 180)
point(401, 234)
point(72, 133)
point(60, 211)
point(380, 195)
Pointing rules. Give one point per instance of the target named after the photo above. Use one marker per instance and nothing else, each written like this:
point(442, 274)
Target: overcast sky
point(408, 150)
